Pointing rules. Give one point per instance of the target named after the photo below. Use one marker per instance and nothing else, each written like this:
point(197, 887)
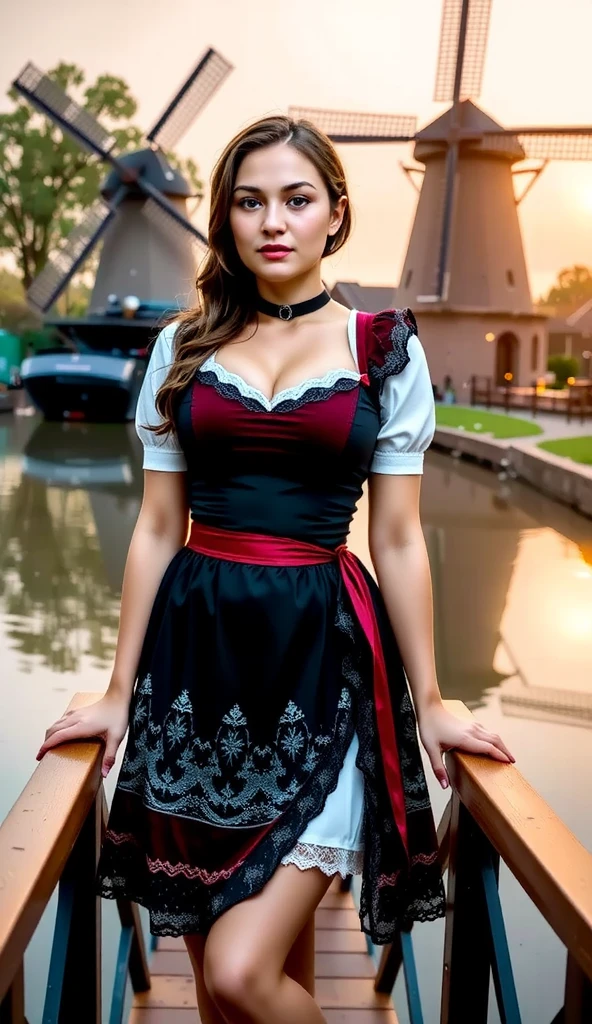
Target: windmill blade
point(463, 41)
point(352, 126)
point(51, 100)
point(547, 143)
point(190, 99)
point(159, 207)
point(54, 277)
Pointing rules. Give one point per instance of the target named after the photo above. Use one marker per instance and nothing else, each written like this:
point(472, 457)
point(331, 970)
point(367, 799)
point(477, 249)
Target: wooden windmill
point(465, 273)
point(148, 240)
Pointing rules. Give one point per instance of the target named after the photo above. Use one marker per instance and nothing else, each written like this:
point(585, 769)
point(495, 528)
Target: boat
point(96, 374)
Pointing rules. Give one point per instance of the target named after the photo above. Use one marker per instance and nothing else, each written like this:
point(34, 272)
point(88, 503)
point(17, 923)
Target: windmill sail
point(353, 126)
point(195, 92)
point(52, 280)
point(541, 143)
point(50, 99)
point(463, 43)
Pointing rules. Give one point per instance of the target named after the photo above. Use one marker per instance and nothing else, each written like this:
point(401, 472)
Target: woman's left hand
point(439, 731)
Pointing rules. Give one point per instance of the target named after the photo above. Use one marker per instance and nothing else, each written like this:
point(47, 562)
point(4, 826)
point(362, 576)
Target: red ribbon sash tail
point(361, 599)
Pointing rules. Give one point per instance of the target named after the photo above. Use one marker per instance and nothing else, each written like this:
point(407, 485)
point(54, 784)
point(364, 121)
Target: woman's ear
point(337, 215)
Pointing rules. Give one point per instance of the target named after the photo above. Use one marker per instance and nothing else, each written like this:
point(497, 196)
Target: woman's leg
point(299, 965)
point(300, 962)
point(208, 1012)
point(247, 948)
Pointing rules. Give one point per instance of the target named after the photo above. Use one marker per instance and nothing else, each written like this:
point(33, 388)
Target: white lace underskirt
point(330, 859)
point(333, 841)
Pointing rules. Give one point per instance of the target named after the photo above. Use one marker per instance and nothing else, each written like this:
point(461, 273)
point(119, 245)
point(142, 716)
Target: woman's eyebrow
point(286, 188)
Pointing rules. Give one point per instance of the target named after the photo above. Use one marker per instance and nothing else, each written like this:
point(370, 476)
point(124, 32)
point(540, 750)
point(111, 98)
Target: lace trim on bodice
point(330, 859)
point(315, 389)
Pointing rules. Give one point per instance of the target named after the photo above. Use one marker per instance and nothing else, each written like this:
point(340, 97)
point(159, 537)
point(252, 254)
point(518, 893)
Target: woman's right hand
point(106, 719)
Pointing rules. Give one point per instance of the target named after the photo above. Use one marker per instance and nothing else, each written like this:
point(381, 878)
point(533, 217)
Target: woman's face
point(280, 200)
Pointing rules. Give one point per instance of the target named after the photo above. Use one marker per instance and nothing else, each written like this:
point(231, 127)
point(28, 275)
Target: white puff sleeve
point(407, 416)
point(161, 451)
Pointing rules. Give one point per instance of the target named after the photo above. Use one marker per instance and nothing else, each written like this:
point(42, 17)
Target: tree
point(47, 179)
point(572, 290)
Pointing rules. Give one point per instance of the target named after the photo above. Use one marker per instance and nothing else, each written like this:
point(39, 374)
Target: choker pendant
point(289, 312)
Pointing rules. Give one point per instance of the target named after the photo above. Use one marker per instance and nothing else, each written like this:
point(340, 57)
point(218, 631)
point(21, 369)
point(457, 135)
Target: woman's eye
point(304, 199)
point(249, 199)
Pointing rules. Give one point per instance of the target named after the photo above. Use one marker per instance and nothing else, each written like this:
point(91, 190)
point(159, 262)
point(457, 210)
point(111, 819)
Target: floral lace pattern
point(391, 330)
point(227, 781)
point(315, 389)
point(330, 859)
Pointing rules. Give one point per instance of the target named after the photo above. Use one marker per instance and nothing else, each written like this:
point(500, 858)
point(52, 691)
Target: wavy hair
point(226, 288)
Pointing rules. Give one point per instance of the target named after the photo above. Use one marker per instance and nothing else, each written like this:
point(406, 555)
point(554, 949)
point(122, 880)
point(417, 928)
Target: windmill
point(465, 272)
point(148, 239)
point(148, 256)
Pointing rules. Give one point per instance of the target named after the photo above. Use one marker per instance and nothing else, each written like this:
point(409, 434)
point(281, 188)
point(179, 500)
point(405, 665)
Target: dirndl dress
point(271, 721)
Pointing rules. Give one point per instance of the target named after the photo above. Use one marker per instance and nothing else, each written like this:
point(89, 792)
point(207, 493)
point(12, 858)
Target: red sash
point(263, 549)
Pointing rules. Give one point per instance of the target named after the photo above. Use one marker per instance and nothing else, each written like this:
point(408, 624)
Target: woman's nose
point(274, 219)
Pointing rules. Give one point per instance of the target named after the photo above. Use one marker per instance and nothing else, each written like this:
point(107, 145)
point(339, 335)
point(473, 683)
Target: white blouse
point(407, 411)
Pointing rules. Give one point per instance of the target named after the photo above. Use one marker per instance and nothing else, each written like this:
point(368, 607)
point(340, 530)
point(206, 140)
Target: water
point(512, 577)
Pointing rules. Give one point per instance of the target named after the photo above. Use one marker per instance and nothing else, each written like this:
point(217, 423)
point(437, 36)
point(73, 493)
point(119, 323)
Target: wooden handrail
point(37, 837)
point(538, 848)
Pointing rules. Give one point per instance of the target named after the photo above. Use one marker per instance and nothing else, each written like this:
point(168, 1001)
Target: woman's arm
point(400, 559)
point(160, 531)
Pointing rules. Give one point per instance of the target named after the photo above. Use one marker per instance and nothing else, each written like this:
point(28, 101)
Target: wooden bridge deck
point(344, 974)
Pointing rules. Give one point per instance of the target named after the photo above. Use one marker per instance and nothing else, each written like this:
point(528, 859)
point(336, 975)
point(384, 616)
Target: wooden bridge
point(52, 836)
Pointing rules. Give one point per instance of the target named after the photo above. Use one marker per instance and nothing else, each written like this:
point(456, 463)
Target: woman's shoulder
point(389, 344)
point(162, 349)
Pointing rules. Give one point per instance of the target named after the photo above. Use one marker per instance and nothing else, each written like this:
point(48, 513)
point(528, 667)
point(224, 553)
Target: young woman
point(272, 740)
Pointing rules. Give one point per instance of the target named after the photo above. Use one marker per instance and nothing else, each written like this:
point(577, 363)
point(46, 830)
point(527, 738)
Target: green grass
point(477, 421)
point(577, 448)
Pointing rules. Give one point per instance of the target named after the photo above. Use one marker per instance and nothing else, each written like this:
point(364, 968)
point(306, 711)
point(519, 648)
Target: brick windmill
point(465, 273)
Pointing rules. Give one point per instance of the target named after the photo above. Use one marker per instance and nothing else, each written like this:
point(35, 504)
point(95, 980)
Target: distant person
point(449, 397)
point(272, 742)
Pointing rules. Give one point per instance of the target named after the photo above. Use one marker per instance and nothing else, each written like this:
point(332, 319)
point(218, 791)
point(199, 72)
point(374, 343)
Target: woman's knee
point(235, 979)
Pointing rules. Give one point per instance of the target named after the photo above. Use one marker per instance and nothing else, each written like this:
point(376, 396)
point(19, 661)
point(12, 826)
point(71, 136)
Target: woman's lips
point(275, 254)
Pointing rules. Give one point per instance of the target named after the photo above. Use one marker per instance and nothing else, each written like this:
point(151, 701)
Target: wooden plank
point(163, 1015)
point(350, 993)
point(37, 836)
point(168, 943)
point(347, 919)
point(344, 965)
point(336, 940)
point(360, 1016)
point(168, 991)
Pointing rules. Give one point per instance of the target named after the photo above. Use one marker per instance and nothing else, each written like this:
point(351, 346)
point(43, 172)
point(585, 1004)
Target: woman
point(272, 739)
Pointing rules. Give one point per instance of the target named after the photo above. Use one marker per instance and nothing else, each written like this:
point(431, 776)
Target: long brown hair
point(226, 288)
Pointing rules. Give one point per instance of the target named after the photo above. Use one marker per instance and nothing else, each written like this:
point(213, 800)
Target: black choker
point(287, 312)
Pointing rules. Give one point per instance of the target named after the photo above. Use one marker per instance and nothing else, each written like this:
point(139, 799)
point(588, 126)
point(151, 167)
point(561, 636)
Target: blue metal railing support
point(503, 975)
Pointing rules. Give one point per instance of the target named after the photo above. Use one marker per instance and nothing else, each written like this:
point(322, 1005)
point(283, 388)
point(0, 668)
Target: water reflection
point(68, 508)
point(513, 597)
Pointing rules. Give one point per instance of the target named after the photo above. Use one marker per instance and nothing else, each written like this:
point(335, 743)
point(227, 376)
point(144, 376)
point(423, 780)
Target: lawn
point(577, 448)
point(478, 421)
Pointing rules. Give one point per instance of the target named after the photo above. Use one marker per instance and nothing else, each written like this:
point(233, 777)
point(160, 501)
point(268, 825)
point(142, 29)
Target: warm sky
point(377, 55)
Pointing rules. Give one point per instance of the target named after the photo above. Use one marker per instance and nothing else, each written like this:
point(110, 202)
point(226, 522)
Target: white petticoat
point(333, 841)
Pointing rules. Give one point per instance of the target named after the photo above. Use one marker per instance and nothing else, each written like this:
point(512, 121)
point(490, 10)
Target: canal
point(512, 577)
